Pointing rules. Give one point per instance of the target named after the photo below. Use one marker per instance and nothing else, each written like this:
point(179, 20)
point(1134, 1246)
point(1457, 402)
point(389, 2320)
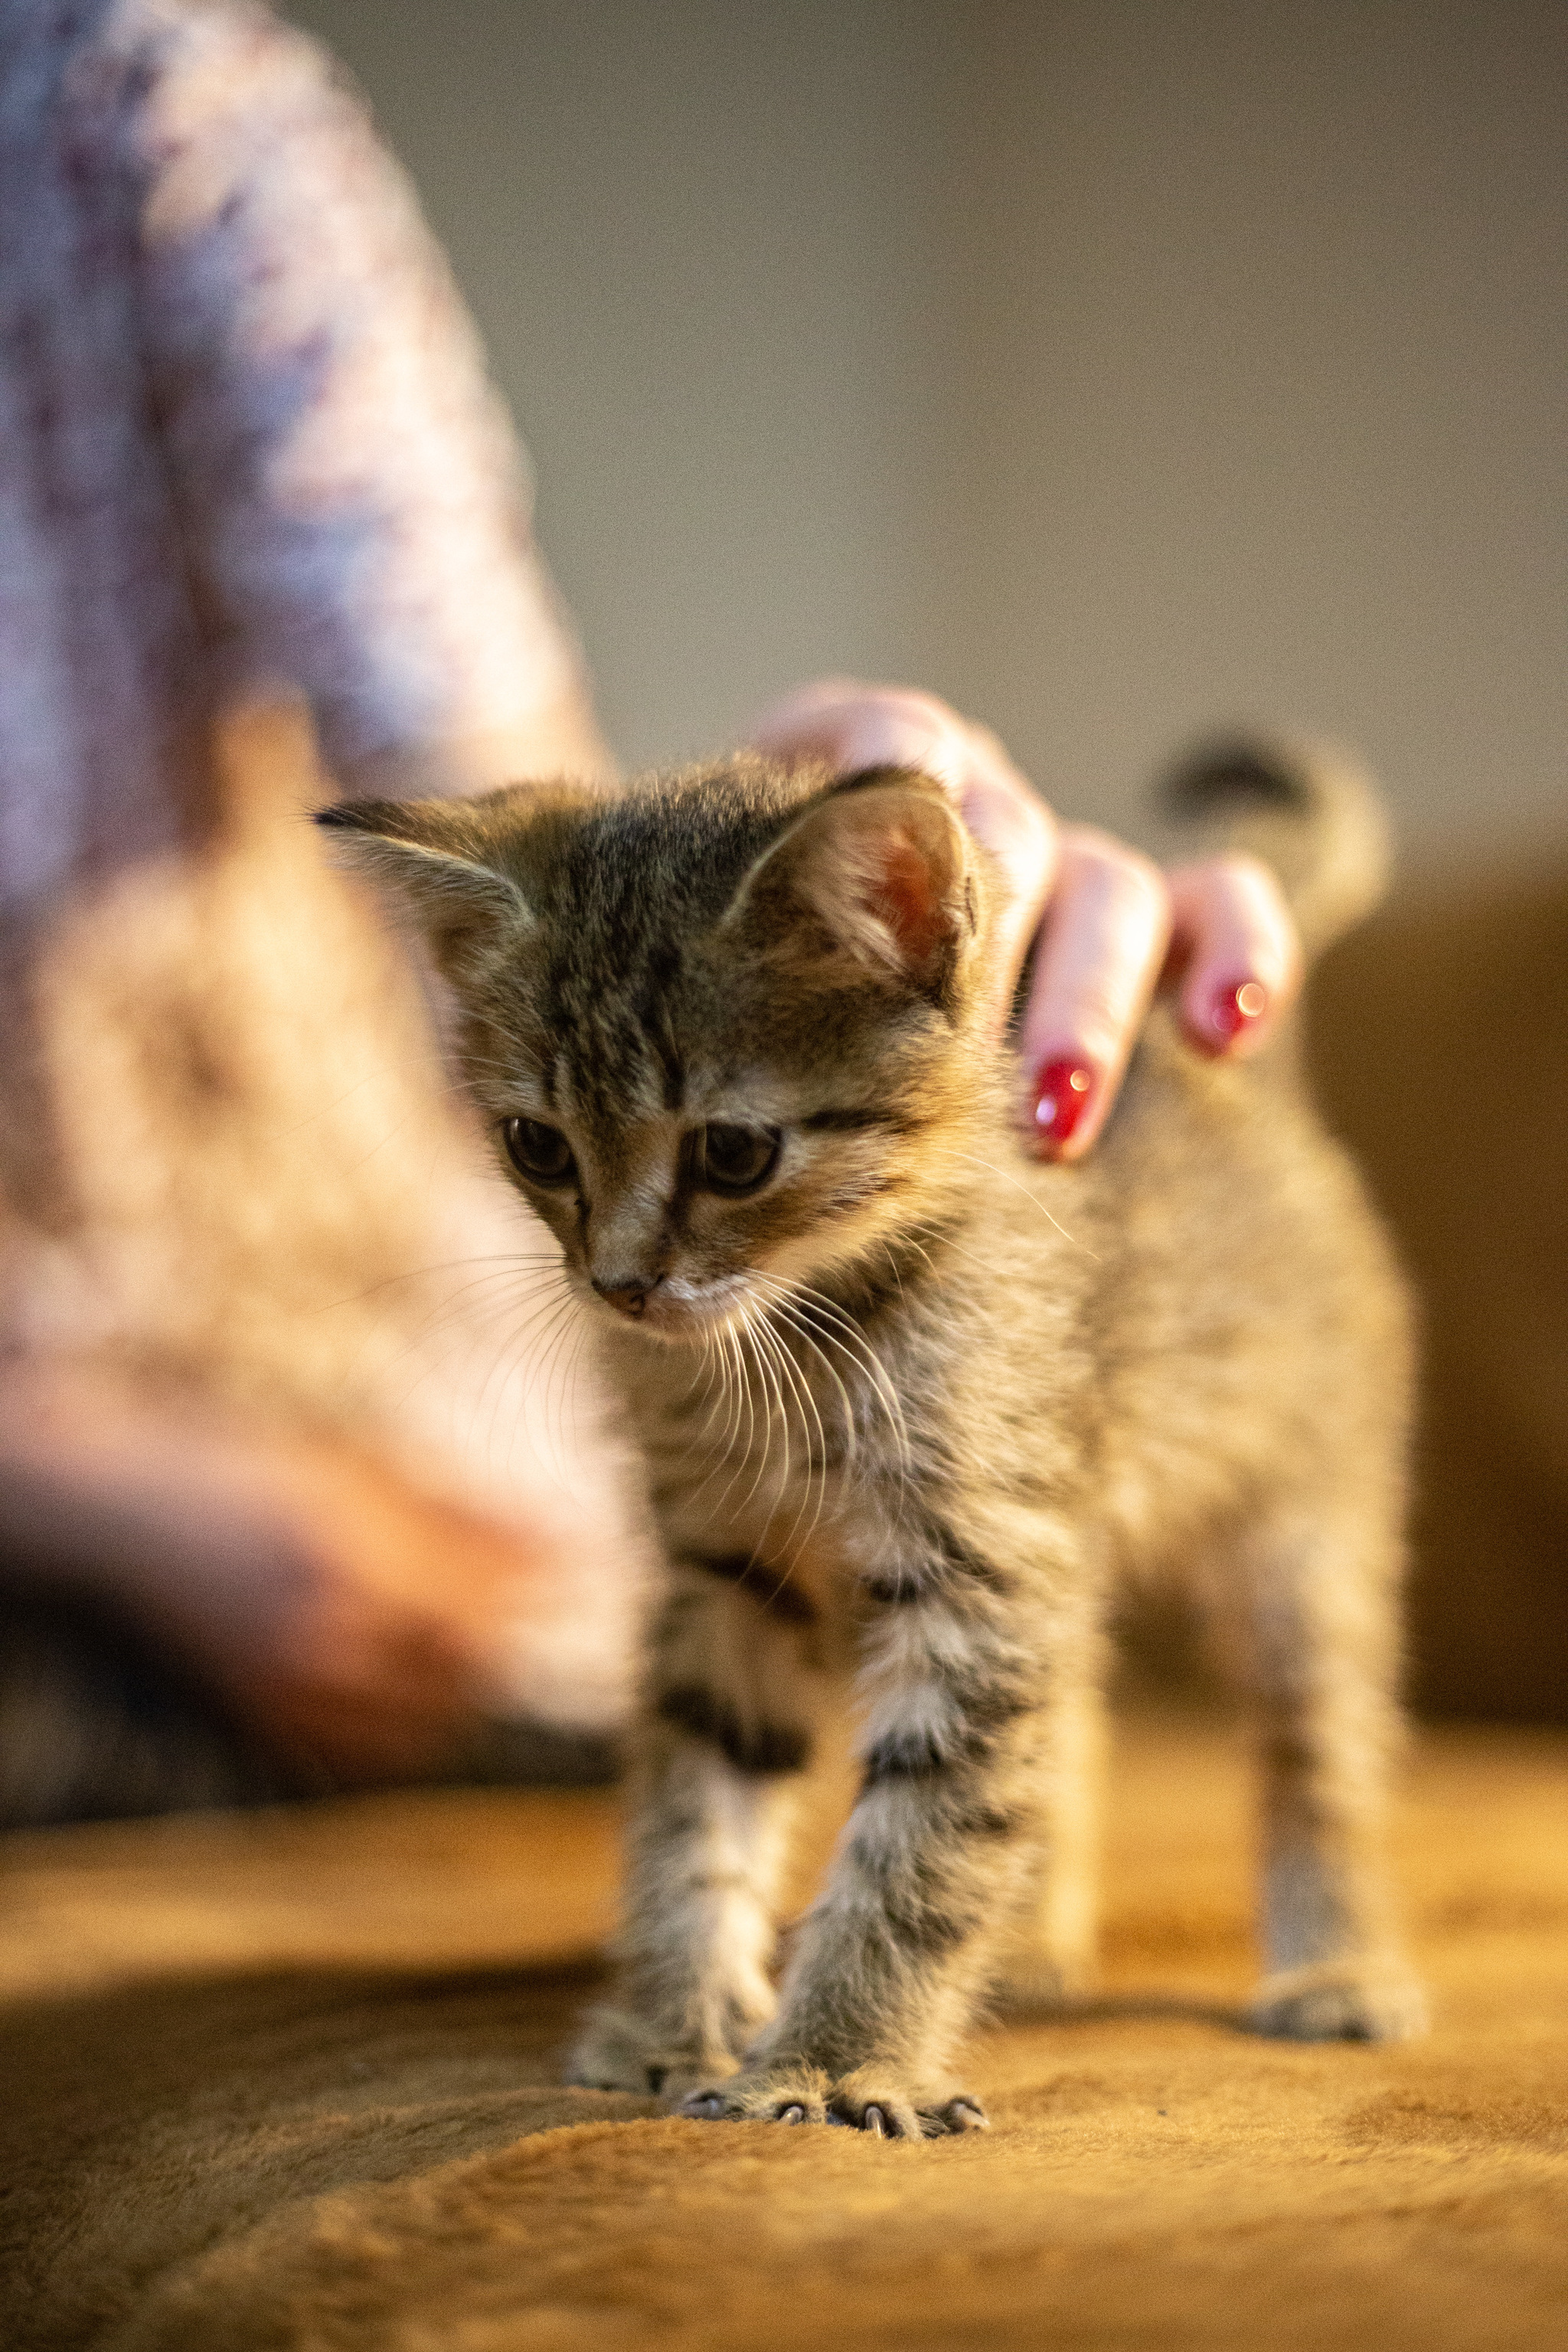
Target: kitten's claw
point(882, 2118)
point(872, 2108)
point(865, 2101)
point(960, 2115)
point(736, 2103)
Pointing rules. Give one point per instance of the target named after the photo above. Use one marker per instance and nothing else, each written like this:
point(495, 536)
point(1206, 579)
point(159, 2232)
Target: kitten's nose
point(629, 1296)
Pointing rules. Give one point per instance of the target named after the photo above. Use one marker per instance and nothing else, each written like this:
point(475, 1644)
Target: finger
point(1104, 947)
point(1237, 949)
point(1022, 837)
point(850, 725)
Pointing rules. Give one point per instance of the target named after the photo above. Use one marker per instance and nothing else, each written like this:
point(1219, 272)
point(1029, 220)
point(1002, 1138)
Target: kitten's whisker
point(783, 1305)
point(719, 1374)
point(1018, 1186)
point(944, 1234)
point(571, 1361)
point(484, 1318)
point(790, 1298)
point(846, 1403)
point(752, 1447)
point(699, 1389)
point(771, 1372)
point(738, 1394)
point(507, 1358)
point(801, 1386)
point(771, 1399)
point(570, 1379)
point(705, 1396)
point(909, 1239)
point(848, 1335)
point(322, 1111)
point(507, 1355)
point(734, 1341)
point(810, 1394)
point(503, 1271)
point(733, 1426)
point(799, 1302)
point(746, 1338)
point(562, 1332)
point(736, 1400)
point(353, 1166)
point(720, 1451)
point(449, 1266)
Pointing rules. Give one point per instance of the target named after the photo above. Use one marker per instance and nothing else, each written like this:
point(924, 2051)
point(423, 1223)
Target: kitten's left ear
point(433, 860)
point(880, 864)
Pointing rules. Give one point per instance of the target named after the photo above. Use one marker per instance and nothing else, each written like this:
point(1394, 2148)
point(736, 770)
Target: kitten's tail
point(1308, 812)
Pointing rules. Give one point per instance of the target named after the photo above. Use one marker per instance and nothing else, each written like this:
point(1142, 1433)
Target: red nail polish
point(1064, 1088)
point(1236, 1006)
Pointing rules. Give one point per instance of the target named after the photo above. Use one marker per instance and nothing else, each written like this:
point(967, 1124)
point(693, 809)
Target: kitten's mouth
point(677, 1311)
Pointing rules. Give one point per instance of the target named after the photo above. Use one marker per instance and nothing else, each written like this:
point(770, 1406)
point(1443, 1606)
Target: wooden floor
point(289, 2080)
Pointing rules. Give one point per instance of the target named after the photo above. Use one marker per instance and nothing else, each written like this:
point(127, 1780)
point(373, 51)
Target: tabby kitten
point(913, 1404)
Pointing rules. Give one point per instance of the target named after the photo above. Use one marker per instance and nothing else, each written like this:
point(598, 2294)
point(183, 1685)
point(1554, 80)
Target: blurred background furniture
point(1441, 1036)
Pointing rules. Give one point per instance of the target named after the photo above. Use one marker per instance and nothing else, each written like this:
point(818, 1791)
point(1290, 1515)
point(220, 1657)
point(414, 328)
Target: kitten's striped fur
point(915, 1406)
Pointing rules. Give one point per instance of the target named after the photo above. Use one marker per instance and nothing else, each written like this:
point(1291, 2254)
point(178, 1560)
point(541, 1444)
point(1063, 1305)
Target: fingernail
point(1065, 1089)
point(1236, 1006)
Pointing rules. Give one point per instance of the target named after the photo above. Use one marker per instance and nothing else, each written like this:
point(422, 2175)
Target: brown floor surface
point(286, 2081)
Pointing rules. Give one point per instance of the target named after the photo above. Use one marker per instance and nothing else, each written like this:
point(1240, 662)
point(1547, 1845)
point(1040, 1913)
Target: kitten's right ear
point(431, 859)
point(875, 878)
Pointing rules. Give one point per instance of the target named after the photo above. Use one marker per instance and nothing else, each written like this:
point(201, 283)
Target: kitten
point(913, 1404)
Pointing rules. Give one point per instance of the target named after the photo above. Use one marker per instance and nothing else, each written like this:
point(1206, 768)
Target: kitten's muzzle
point(627, 1297)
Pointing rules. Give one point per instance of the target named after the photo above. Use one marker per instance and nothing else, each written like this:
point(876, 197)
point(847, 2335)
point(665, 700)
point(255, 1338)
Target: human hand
point(1110, 923)
point(357, 1626)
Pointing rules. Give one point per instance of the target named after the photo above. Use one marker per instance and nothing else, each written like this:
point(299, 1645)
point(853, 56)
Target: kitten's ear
point(881, 863)
point(431, 859)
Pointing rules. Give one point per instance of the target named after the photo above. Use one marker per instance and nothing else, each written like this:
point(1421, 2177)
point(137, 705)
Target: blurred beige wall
point(1115, 368)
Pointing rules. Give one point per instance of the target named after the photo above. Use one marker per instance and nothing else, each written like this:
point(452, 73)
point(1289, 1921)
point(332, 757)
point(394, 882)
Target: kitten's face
point(727, 1032)
point(690, 1187)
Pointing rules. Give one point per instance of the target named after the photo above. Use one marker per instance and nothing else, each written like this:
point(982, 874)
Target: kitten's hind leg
point(724, 1739)
point(1323, 1654)
point(1050, 1957)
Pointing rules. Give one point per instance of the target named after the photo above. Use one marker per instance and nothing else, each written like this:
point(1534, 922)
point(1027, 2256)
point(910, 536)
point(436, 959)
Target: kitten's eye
point(735, 1158)
point(538, 1152)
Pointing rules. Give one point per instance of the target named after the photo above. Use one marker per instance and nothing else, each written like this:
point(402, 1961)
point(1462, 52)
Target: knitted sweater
point(247, 449)
point(246, 438)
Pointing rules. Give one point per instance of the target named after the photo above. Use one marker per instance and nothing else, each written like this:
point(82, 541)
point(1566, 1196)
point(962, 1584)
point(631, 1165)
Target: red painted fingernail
point(1236, 1006)
point(1065, 1089)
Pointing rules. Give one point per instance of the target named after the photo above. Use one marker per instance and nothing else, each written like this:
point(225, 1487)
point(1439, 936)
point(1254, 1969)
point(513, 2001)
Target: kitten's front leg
point(889, 1964)
point(724, 1738)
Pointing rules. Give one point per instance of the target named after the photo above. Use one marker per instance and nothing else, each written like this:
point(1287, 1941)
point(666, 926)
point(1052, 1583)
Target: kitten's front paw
point(619, 2051)
point(872, 2100)
point(1337, 2001)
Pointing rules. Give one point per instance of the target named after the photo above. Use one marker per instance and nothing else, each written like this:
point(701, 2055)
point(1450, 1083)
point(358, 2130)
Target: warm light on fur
point(931, 1402)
